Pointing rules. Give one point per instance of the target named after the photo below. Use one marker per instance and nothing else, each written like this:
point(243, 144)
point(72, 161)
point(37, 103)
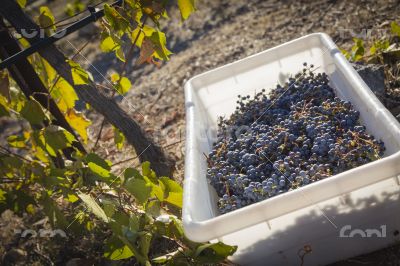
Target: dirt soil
point(220, 32)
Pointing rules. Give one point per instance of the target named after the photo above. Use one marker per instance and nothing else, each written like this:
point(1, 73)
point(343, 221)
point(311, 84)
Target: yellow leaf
point(51, 72)
point(46, 18)
point(64, 95)
point(79, 123)
point(186, 7)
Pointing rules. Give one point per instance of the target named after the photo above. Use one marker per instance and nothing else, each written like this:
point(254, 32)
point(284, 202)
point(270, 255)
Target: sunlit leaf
point(186, 7)
point(93, 206)
point(79, 123)
point(98, 165)
point(109, 43)
point(119, 138)
point(16, 141)
point(72, 198)
point(64, 94)
point(79, 75)
point(120, 54)
point(22, 3)
point(395, 28)
point(122, 84)
point(4, 110)
point(357, 50)
point(159, 41)
point(46, 18)
point(115, 249)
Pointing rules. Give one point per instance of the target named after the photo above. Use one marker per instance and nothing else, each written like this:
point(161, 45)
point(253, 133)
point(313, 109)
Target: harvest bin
point(320, 217)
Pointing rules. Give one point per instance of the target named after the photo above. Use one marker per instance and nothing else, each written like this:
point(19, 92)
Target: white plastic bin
point(273, 231)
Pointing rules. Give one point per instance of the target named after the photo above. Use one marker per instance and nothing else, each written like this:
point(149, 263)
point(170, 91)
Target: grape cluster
point(296, 135)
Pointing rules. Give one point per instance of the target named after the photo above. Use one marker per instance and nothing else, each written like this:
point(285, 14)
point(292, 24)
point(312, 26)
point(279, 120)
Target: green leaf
point(16, 141)
point(33, 112)
point(22, 3)
point(160, 41)
point(12, 162)
point(119, 53)
point(131, 172)
point(395, 28)
point(357, 50)
point(186, 7)
point(139, 188)
point(46, 18)
point(153, 208)
point(213, 252)
point(146, 170)
point(116, 20)
point(119, 138)
point(115, 249)
point(50, 208)
point(5, 85)
point(93, 206)
point(144, 243)
point(2, 195)
point(3, 107)
point(109, 207)
point(58, 138)
point(98, 165)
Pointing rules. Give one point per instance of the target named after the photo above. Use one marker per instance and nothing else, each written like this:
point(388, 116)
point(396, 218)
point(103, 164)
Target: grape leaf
point(5, 85)
point(109, 43)
point(33, 112)
point(64, 95)
point(139, 188)
point(46, 18)
point(122, 84)
point(93, 206)
point(79, 123)
point(98, 165)
point(117, 22)
point(22, 3)
point(79, 75)
point(16, 141)
point(186, 7)
point(395, 28)
point(3, 107)
point(213, 252)
point(159, 44)
point(115, 249)
point(146, 51)
point(119, 138)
